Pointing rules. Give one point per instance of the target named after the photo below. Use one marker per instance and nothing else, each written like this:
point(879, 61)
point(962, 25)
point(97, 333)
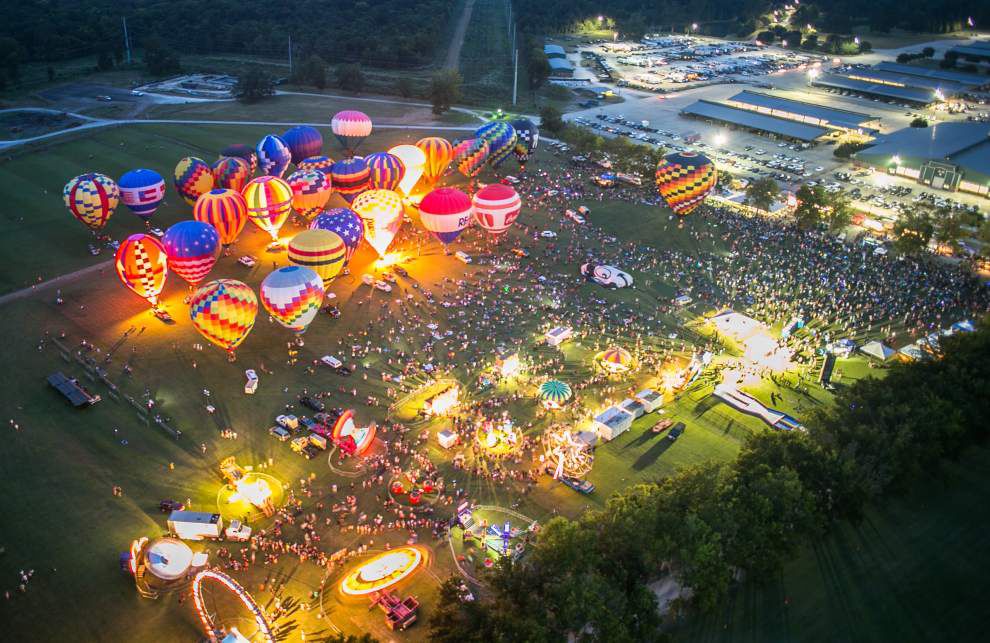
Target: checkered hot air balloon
point(684, 179)
point(321, 163)
point(381, 211)
point(223, 311)
point(142, 191)
point(273, 155)
point(350, 177)
point(386, 169)
point(439, 152)
point(269, 202)
point(320, 250)
point(311, 189)
point(496, 208)
point(225, 210)
point(242, 151)
point(231, 172)
point(501, 138)
point(91, 198)
point(470, 155)
point(193, 177)
point(554, 393)
point(350, 127)
point(303, 141)
point(346, 223)
point(527, 140)
point(192, 248)
point(293, 296)
point(142, 265)
point(445, 212)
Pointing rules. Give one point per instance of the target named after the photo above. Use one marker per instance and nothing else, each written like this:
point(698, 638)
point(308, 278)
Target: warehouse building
point(554, 51)
point(859, 85)
point(752, 120)
point(802, 112)
point(560, 68)
point(977, 52)
point(948, 156)
point(967, 80)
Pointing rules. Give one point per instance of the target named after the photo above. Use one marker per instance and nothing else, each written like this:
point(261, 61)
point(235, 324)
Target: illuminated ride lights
point(264, 629)
point(352, 439)
point(382, 571)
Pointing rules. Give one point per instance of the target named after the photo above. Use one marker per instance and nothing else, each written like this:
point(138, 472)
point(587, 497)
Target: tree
point(104, 62)
point(948, 229)
point(350, 77)
point(537, 66)
point(254, 84)
point(583, 140)
point(847, 149)
point(838, 213)
point(51, 73)
point(761, 193)
point(919, 122)
point(928, 52)
point(404, 86)
point(445, 90)
point(984, 232)
point(766, 37)
point(160, 60)
point(913, 230)
point(312, 71)
point(551, 119)
point(811, 42)
point(810, 211)
point(865, 46)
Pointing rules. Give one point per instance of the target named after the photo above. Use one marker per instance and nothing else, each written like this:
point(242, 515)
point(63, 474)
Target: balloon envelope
point(293, 296)
point(311, 190)
point(684, 179)
point(269, 202)
point(346, 223)
point(241, 151)
point(320, 250)
point(193, 177)
point(414, 161)
point(303, 141)
point(350, 177)
point(386, 169)
point(445, 212)
point(142, 265)
point(321, 163)
point(501, 137)
point(527, 139)
point(470, 156)
point(273, 155)
point(381, 211)
point(223, 311)
point(439, 152)
point(225, 210)
point(496, 207)
point(91, 198)
point(142, 191)
point(192, 248)
point(350, 127)
point(231, 172)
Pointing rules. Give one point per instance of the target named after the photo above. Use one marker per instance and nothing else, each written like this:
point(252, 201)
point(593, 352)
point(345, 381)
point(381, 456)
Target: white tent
point(878, 350)
point(913, 351)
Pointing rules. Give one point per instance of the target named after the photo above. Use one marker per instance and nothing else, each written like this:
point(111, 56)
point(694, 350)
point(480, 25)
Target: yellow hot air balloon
point(269, 201)
point(439, 153)
point(320, 250)
point(381, 211)
point(223, 311)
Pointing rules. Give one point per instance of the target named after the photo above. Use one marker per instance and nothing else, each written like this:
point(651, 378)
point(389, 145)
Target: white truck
point(237, 532)
point(195, 525)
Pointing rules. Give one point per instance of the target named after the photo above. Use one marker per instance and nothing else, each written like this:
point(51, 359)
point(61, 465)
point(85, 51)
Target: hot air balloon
point(311, 190)
point(241, 151)
point(350, 127)
point(386, 170)
point(142, 265)
point(192, 248)
point(231, 172)
point(350, 177)
point(273, 155)
point(91, 198)
point(142, 191)
point(293, 296)
point(225, 210)
point(496, 207)
point(321, 163)
point(501, 137)
point(439, 152)
point(684, 179)
point(414, 160)
point(445, 212)
point(223, 311)
point(269, 202)
point(527, 140)
point(320, 250)
point(346, 223)
point(193, 177)
point(470, 155)
point(381, 211)
point(303, 141)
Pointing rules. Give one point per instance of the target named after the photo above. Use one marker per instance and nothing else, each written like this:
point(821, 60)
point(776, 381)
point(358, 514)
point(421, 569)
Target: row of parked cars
point(309, 436)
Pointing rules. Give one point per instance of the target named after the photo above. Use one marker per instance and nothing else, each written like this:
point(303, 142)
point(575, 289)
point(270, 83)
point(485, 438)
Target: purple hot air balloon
point(303, 141)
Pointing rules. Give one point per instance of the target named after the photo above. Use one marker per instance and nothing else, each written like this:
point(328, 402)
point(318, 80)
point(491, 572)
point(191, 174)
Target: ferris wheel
point(219, 627)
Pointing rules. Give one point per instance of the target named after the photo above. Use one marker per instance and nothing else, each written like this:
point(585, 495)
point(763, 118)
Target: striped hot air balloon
point(269, 202)
point(142, 265)
point(320, 250)
point(293, 296)
point(346, 223)
point(311, 190)
point(554, 393)
point(192, 248)
point(386, 169)
point(439, 152)
point(350, 127)
point(496, 208)
point(350, 177)
point(321, 163)
point(614, 359)
point(273, 155)
point(193, 177)
point(142, 191)
point(245, 152)
point(91, 198)
point(231, 173)
point(223, 311)
point(303, 141)
point(684, 179)
point(445, 212)
point(225, 210)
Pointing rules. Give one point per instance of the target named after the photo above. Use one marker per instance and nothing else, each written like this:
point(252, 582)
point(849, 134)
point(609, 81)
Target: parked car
point(313, 404)
point(279, 433)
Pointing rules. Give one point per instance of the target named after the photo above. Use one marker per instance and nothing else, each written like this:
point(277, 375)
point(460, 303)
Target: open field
point(486, 57)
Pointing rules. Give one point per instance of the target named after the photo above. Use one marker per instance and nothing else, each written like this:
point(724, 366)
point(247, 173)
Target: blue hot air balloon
point(346, 223)
point(303, 141)
point(273, 155)
point(192, 247)
point(142, 191)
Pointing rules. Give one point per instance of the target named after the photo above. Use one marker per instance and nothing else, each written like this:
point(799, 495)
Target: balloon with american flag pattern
point(293, 296)
point(142, 265)
point(142, 191)
point(496, 208)
point(192, 248)
point(345, 223)
point(224, 311)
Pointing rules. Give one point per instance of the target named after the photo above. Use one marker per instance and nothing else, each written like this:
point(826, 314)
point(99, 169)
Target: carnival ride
point(567, 453)
point(216, 626)
point(383, 571)
point(247, 486)
point(748, 404)
point(497, 437)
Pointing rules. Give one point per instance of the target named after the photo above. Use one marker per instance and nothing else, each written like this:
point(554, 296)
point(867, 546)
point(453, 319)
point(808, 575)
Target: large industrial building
point(976, 52)
point(560, 67)
point(947, 156)
point(902, 83)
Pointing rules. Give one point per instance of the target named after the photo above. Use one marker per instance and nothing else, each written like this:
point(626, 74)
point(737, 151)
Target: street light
point(694, 26)
point(896, 160)
point(600, 18)
point(813, 73)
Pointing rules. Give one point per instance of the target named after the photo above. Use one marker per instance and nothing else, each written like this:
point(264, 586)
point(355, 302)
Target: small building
point(559, 335)
point(560, 68)
point(650, 399)
point(447, 438)
point(554, 51)
point(612, 422)
point(70, 388)
point(633, 407)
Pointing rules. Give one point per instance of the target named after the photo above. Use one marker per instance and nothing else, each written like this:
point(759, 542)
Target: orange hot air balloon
point(223, 311)
point(142, 265)
point(439, 153)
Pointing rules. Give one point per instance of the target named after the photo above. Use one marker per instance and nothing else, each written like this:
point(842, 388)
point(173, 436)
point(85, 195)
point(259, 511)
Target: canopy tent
point(878, 350)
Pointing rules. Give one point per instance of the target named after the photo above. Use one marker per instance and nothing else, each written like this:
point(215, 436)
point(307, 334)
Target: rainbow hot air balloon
point(381, 211)
point(350, 177)
point(273, 155)
point(386, 169)
point(293, 296)
point(321, 163)
point(193, 177)
point(142, 265)
point(346, 223)
point(225, 210)
point(269, 202)
point(223, 311)
point(231, 173)
point(91, 198)
point(501, 137)
point(414, 161)
point(244, 152)
point(311, 190)
point(439, 152)
point(320, 250)
point(142, 191)
point(445, 212)
point(192, 248)
point(470, 155)
point(496, 208)
point(527, 140)
point(350, 127)
point(684, 179)
point(303, 141)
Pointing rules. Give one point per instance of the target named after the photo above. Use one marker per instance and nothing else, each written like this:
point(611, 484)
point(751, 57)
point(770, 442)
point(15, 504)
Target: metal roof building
point(560, 67)
point(915, 95)
point(800, 111)
point(978, 51)
point(963, 78)
point(554, 51)
point(70, 388)
point(949, 156)
point(897, 79)
point(753, 120)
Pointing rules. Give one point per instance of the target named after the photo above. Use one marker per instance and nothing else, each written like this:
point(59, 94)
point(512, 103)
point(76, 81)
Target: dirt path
point(52, 283)
point(454, 52)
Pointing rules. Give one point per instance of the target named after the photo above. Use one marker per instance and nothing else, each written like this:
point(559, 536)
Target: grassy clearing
point(486, 57)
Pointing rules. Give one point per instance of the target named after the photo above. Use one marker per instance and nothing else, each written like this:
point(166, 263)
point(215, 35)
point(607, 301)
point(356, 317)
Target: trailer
point(195, 525)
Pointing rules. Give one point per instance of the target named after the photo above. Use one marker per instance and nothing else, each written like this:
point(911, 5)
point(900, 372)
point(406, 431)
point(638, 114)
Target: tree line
point(713, 524)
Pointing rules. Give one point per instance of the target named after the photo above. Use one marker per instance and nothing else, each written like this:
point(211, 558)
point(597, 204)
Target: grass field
point(486, 58)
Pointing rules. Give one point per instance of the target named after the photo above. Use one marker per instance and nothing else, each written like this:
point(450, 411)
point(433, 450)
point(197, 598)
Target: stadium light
point(895, 159)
